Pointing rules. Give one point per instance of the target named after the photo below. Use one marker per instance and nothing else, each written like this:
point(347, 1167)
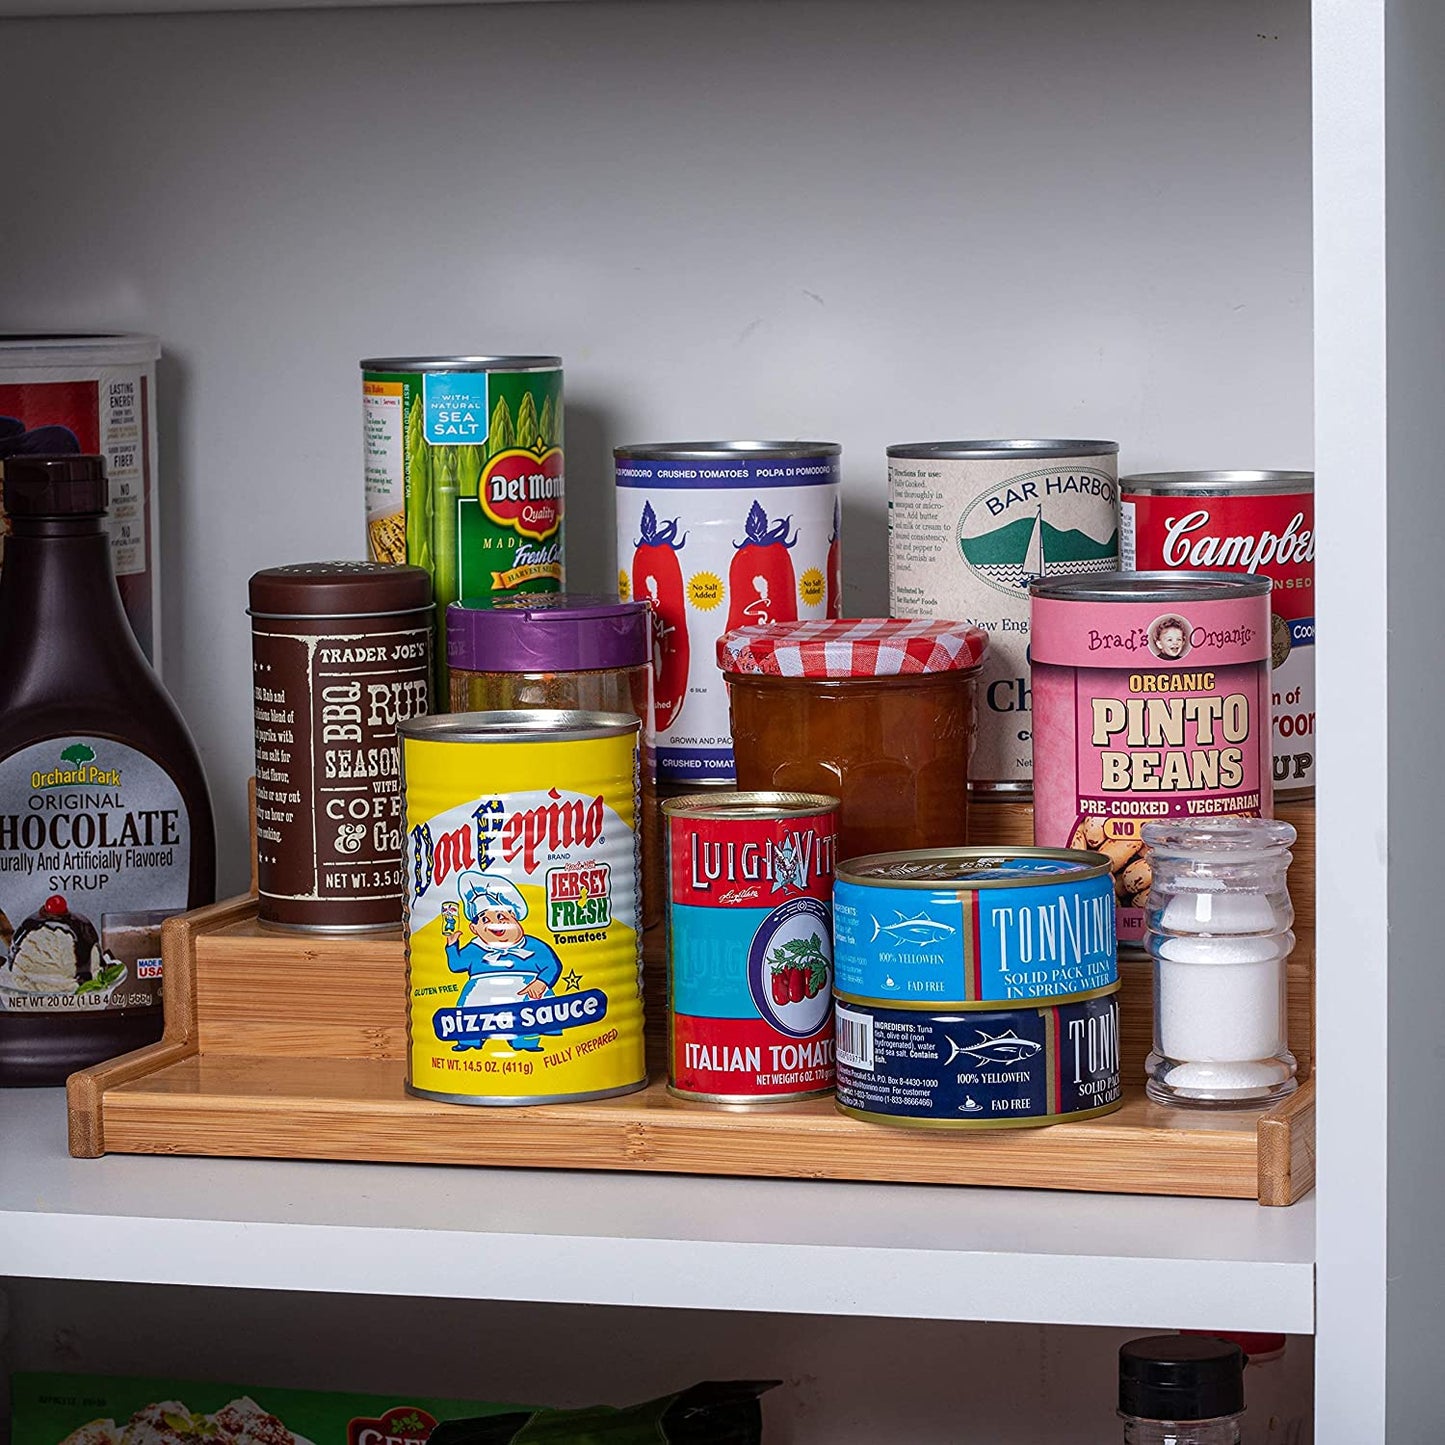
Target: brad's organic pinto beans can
point(1255, 522)
point(341, 654)
point(1152, 702)
point(970, 524)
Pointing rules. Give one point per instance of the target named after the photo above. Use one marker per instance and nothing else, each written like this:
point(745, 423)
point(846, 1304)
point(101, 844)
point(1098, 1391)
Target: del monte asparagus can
point(464, 472)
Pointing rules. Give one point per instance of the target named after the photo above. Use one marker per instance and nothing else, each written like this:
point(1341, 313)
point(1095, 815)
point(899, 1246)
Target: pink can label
point(1147, 710)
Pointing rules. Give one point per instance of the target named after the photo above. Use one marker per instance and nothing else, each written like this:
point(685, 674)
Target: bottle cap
point(547, 632)
point(1180, 1377)
point(58, 486)
point(339, 589)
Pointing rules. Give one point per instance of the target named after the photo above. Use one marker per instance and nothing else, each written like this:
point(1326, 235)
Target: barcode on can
point(854, 1039)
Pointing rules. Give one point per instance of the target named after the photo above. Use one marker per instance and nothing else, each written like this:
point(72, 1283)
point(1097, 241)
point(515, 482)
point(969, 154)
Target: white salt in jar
point(1218, 921)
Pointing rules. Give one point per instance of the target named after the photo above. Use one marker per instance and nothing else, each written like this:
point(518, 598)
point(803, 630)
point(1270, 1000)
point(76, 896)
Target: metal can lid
point(519, 725)
point(1003, 449)
point(461, 363)
point(1150, 587)
point(943, 1012)
point(1237, 483)
point(839, 647)
point(547, 632)
point(760, 803)
point(339, 589)
point(712, 451)
point(931, 868)
point(54, 486)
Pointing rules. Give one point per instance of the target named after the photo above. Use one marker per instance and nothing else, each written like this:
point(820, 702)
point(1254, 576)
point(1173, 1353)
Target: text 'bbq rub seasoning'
point(105, 820)
point(341, 654)
point(1151, 701)
point(523, 939)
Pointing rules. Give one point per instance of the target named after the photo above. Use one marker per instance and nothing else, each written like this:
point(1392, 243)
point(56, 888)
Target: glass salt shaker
point(1181, 1390)
point(1218, 921)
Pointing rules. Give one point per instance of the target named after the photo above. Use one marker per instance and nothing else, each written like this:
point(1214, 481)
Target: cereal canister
point(1152, 701)
point(750, 945)
point(522, 931)
point(718, 535)
point(970, 523)
point(943, 926)
point(341, 654)
point(1256, 522)
point(996, 1068)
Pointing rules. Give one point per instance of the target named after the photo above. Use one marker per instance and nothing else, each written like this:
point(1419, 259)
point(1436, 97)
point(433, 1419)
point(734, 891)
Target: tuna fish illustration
point(1004, 1048)
point(918, 929)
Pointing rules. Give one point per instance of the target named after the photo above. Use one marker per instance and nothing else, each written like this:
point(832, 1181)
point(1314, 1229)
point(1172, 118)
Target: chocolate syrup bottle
point(105, 819)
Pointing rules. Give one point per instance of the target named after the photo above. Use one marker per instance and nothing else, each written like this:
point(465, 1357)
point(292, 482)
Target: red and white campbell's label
point(1269, 534)
point(1147, 710)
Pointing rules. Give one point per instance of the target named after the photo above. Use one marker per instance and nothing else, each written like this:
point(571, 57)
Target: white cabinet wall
point(1206, 228)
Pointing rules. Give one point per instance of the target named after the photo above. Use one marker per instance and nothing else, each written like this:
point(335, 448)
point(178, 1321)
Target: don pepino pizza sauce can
point(750, 945)
point(941, 926)
point(1151, 702)
point(980, 1068)
point(522, 937)
point(716, 536)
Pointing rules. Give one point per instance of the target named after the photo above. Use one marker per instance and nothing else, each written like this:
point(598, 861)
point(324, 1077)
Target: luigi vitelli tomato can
point(750, 945)
point(719, 535)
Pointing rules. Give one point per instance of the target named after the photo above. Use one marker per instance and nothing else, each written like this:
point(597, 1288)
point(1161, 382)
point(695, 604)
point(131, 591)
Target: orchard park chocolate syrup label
point(95, 853)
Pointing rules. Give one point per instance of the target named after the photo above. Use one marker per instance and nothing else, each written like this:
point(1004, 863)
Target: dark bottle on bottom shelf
point(105, 818)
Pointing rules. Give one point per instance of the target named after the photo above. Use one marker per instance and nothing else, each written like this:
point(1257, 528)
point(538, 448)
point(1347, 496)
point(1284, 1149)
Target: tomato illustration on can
point(762, 586)
point(657, 579)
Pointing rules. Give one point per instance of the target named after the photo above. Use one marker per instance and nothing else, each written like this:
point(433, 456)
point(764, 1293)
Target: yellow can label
point(523, 943)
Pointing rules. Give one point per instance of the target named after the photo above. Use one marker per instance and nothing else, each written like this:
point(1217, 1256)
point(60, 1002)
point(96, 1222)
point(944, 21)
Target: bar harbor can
point(718, 535)
point(1255, 522)
point(968, 1069)
point(522, 887)
point(973, 927)
point(750, 945)
point(969, 524)
point(1152, 701)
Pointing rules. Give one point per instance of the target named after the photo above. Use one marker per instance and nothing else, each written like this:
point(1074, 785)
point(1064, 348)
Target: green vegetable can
point(464, 470)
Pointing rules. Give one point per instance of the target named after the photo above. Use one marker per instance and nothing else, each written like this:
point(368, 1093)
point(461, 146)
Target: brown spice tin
point(341, 654)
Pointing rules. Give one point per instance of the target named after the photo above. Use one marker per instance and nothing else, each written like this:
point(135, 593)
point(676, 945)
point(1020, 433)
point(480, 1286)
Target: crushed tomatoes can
point(1151, 702)
point(943, 926)
point(522, 936)
point(967, 1069)
point(715, 536)
point(750, 945)
point(1255, 522)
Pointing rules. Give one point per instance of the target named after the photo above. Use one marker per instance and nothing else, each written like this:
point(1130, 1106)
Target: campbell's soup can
point(718, 535)
point(970, 523)
point(750, 945)
point(523, 944)
point(1257, 522)
point(1151, 701)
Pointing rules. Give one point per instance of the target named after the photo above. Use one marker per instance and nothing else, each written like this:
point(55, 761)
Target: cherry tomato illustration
point(657, 580)
point(780, 985)
point(797, 985)
point(761, 584)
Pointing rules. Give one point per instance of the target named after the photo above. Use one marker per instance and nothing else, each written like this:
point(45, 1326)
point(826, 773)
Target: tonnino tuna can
point(750, 945)
point(718, 535)
point(1255, 522)
point(522, 938)
point(974, 927)
point(1152, 701)
point(999, 1069)
point(969, 524)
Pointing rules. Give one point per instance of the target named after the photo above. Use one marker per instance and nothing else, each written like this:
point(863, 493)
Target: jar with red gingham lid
point(878, 712)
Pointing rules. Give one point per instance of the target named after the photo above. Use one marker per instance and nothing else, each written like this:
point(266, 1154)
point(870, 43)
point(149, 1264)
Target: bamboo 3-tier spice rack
point(293, 1047)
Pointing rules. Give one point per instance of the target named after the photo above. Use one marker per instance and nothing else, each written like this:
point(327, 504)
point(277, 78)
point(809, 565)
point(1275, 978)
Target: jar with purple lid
point(562, 650)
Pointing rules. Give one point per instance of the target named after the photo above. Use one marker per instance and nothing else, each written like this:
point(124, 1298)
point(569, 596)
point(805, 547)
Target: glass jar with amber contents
point(879, 712)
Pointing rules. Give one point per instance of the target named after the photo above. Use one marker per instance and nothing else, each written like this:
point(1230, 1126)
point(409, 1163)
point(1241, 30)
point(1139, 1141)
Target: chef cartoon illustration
point(503, 962)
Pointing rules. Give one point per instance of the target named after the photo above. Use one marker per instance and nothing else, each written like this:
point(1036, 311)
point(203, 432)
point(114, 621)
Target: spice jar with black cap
point(1181, 1390)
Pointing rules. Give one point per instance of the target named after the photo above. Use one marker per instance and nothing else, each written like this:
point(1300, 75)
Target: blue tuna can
point(973, 927)
point(998, 1069)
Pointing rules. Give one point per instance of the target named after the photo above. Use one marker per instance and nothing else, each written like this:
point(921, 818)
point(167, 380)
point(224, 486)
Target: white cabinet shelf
point(767, 1246)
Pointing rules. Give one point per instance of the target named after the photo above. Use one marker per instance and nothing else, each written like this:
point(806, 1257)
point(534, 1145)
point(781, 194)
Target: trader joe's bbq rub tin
point(1152, 701)
point(750, 945)
point(1002, 1069)
point(1256, 522)
point(969, 525)
point(522, 932)
point(973, 927)
point(719, 535)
